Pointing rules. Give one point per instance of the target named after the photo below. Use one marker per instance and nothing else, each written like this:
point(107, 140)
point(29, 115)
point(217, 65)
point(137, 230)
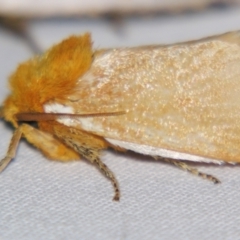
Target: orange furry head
point(51, 76)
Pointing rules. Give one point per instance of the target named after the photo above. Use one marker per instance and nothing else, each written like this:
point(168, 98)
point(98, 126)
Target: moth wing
point(181, 101)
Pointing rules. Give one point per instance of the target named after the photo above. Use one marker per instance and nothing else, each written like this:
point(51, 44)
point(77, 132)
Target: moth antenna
point(35, 116)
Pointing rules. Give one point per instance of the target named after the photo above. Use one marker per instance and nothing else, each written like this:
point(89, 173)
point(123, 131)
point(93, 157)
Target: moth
point(177, 102)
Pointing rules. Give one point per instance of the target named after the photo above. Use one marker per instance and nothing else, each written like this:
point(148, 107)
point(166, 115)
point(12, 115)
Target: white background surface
point(29, 8)
point(40, 199)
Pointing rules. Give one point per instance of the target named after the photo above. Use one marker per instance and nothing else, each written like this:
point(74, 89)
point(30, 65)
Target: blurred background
point(40, 199)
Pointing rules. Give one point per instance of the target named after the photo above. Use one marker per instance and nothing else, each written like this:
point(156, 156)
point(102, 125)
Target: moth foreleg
point(11, 149)
point(186, 167)
point(49, 145)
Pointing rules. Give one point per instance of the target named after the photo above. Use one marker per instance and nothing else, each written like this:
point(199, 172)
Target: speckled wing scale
point(180, 101)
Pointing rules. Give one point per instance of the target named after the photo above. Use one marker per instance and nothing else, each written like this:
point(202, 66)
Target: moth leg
point(109, 174)
point(11, 149)
point(49, 145)
point(92, 155)
point(89, 147)
point(186, 167)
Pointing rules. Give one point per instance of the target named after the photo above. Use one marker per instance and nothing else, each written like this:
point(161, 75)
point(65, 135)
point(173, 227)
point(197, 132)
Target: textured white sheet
point(40, 199)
